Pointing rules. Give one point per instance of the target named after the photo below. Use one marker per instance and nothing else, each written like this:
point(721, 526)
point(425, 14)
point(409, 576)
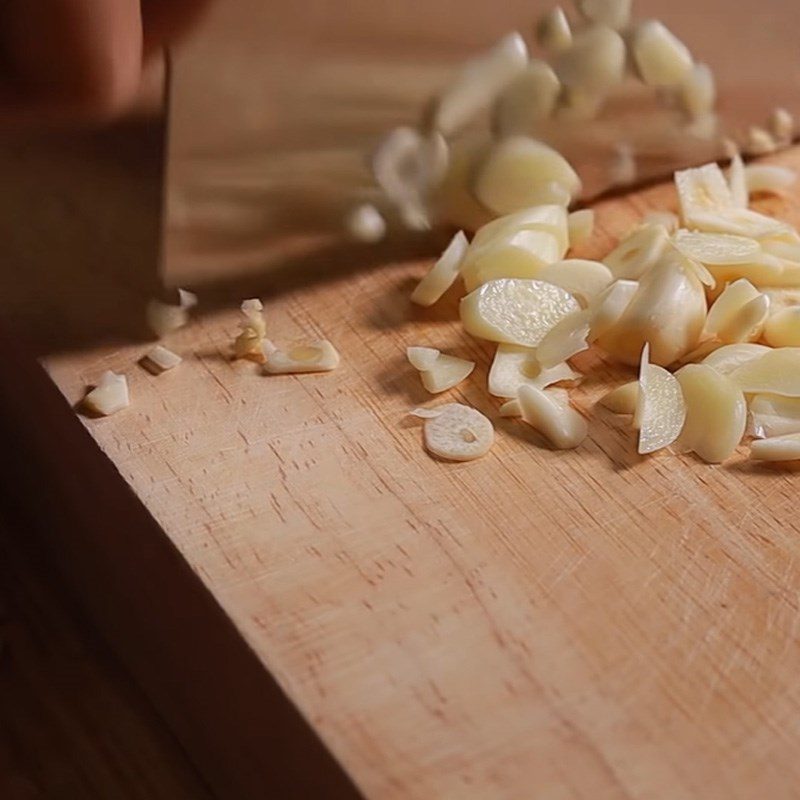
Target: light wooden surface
point(536, 624)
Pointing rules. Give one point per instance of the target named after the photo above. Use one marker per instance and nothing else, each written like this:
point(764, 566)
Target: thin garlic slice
point(730, 357)
point(443, 273)
point(774, 415)
point(717, 248)
point(548, 411)
point(453, 201)
point(456, 432)
point(661, 59)
point(716, 413)
point(723, 312)
point(698, 92)
point(529, 99)
point(445, 373)
point(623, 399)
point(777, 448)
point(609, 306)
point(519, 172)
point(366, 224)
point(565, 340)
point(768, 178)
point(638, 252)
point(515, 311)
point(553, 31)
point(737, 180)
point(159, 360)
point(660, 409)
point(763, 270)
point(109, 396)
point(595, 62)
point(422, 358)
point(550, 218)
point(315, 356)
point(781, 125)
point(581, 226)
point(614, 13)
point(515, 366)
point(478, 83)
point(775, 372)
point(747, 324)
point(782, 329)
point(582, 278)
point(738, 221)
point(700, 190)
point(759, 142)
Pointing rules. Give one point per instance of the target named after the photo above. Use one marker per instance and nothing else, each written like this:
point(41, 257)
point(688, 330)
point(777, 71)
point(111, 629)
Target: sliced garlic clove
point(553, 32)
point(747, 324)
point(623, 399)
point(457, 433)
point(530, 98)
point(518, 173)
point(581, 226)
point(445, 373)
point(717, 248)
point(595, 62)
point(551, 218)
point(660, 409)
point(730, 357)
point(782, 329)
point(548, 411)
point(366, 224)
point(623, 168)
point(564, 340)
point(661, 59)
point(315, 356)
point(716, 413)
point(422, 358)
point(638, 252)
point(725, 308)
point(443, 273)
point(775, 372)
point(515, 366)
point(109, 396)
point(781, 125)
point(609, 306)
point(737, 180)
point(615, 14)
point(768, 178)
point(702, 190)
point(582, 278)
point(515, 311)
point(698, 92)
point(777, 448)
point(774, 415)
point(737, 221)
point(159, 360)
point(759, 142)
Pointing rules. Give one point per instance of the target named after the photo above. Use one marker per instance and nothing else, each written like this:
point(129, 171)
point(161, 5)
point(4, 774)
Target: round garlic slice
point(514, 366)
point(700, 190)
point(595, 62)
point(585, 279)
point(553, 32)
point(660, 409)
point(550, 218)
point(773, 415)
point(660, 57)
point(623, 399)
point(776, 372)
point(515, 311)
point(549, 412)
point(716, 413)
point(564, 340)
point(458, 433)
point(580, 225)
point(717, 248)
point(422, 358)
point(519, 172)
point(730, 357)
point(637, 253)
point(782, 328)
point(529, 99)
point(778, 448)
point(315, 356)
point(443, 273)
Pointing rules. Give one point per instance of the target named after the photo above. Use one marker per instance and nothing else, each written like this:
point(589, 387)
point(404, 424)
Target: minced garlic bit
point(159, 360)
point(248, 344)
point(775, 372)
point(660, 408)
point(438, 371)
point(164, 318)
point(456, 432)
point(365, 223)
point(623, 399)
point(315, 356)
point(443, 273)
point(580, 225)
point(548, 411)
point(109, 396)
point(773, 415)
point(777, 448)
point(768, 178)
point(638, 252)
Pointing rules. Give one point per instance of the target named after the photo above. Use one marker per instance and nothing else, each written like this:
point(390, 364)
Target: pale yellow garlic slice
point(164, 318)
point(781, 125)
point(638, 252)
point(702, 351)
point(763, 270)
point(595, 62)
point(515, 311)
point(661, 59)
point(747, 324)
point(727, 306)
point(773, 415)
point(519, 172)
point(716, 413)
point(248, 344)
point(553, 32)
point(609, 306)
point(159, 360)
point(782, 329)
point(777, 448)
point(775, 372)
point(730, 357)
point(769, 178)
point(550, 218)
point(516, 366)
point(565, 339)
point(717, 248)
point(698, 92)
point(315, 356)
point(446, 372)
point(666, 219)
point(623, 399)
point(737, 221)
point(548, 411)
point(737, 180)
point(456, 432)
point(422, 358)
point(759, 142)
point(453, 201)
point(366, 224)
point(478, 84)
point(702, 190)
point(109, 396)
point(530, 98)
point(660, 409)
point(580, 225)
point(585, 279)
point(443, 273)
point(613, 13)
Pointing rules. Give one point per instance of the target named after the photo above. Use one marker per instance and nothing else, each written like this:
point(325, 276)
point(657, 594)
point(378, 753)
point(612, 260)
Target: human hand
point(80, 61)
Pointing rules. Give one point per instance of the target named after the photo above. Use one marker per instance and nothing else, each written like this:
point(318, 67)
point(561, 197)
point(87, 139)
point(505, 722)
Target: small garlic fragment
point(595, 62)
point(609, 306)
point(315, 356)
point(549, 412)
point(623, 399)
point(716, 413)
point(781, 126)
point(457, 432)
point(759, 142)
point(365, 223)
point(520, 172)
point(549, 218)
point(774, 415)
point(702, 189)
point(777, 448)
point(515, 311)
point(768, 178)
point(730, 357)
point(109, 396)
point(528, 100)
point(443, 273)
point(724, 310)
point(159, 360)
point(775, 372)
point(614, 13)
point(697, 92)
point(638, 252)
point(782, 328)
point(737, 180)
point(553, 32)
point(580, 277)
point(422, 358)
point(660, 57)
point(248, 344)
point(660, 409)
point(565, 339)
point(516, 366)
point(581, 226)
point(447, 372)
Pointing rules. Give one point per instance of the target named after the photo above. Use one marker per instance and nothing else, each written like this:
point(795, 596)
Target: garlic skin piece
point(773, 415)
point(515, 311)
point(366, 224)
point(109, 396)
point(580, 225)
point(529, 99)
point(478, 83)
point(623, 399)
point(549, 412)
point(580, 277)
point(519, 172)
point(446, 372)
point(730, 357)
point(716, 413)
point(717, 248)
point(514, 366)
point(609, 306)
point(594, 63)
point(776, 372)
point(777, 448)
point(737, 221)
point(550, 218)
point(782, 329)
point(315, 356)
point(443, 273)
point(422, 358)
point(661, 59)
point(660, 409)
point(553, 32)
point(159, 360)
point(638, 252)
point(768, 178)
point(564, 340)
point(615, 14)
point(457, 433)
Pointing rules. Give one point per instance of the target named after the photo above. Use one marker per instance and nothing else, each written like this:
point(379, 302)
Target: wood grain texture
point(588, 624)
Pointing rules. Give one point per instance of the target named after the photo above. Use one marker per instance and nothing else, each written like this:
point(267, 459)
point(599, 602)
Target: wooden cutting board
point(536, 624)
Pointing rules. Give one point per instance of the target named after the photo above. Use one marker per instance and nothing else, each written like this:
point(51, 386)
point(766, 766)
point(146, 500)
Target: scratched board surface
point(587, 624)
